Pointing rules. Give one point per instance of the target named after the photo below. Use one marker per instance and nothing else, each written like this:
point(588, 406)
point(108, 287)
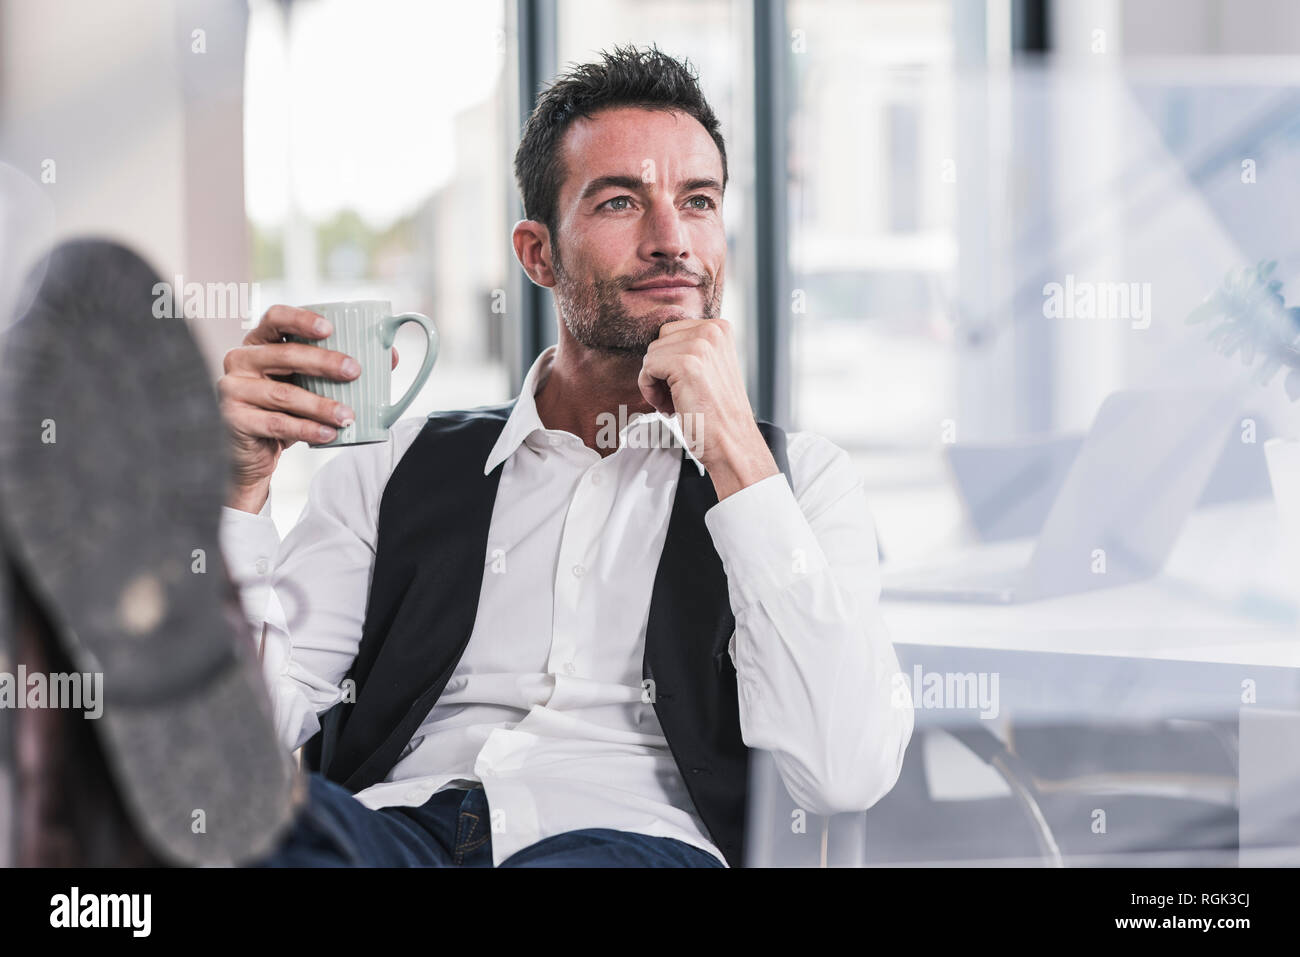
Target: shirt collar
point(524, 420)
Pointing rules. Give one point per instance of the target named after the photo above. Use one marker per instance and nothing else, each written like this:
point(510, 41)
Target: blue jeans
point(452, 829)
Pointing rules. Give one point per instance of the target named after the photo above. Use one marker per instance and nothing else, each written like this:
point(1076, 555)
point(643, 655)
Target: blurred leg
point(113, 471)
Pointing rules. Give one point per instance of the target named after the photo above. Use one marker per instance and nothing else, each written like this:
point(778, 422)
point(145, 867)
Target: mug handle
point(388, 332)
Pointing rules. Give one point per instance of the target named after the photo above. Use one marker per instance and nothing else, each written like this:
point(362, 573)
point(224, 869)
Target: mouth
point(665, 287)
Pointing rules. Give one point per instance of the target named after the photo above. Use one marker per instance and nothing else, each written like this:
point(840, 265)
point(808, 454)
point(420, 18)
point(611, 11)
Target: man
point(549, 743)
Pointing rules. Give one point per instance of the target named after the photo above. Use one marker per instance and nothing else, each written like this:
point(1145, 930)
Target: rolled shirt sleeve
point(815, 668)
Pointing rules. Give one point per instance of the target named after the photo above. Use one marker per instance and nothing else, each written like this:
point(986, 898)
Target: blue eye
point(617, 199)
point(708, 202)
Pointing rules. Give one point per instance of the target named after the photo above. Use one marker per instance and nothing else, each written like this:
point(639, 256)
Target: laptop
point(1140, 471)
point(1008, 488)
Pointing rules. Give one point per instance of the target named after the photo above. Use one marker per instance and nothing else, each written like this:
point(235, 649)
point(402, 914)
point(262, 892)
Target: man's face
point(641, 240)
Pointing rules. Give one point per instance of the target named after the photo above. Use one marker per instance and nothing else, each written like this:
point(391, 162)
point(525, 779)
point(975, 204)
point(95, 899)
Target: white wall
point(145, 135)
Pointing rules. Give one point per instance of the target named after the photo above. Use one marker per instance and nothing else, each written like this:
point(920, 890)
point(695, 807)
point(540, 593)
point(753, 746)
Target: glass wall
point(873, 245)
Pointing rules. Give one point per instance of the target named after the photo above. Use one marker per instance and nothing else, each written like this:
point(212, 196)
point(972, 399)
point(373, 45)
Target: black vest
point(431, 553)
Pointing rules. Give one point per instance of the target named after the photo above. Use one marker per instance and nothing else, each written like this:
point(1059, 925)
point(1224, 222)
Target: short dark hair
point(626, 76)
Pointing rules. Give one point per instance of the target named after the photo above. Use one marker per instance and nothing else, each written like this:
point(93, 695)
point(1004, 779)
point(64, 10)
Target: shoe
point(113, 471)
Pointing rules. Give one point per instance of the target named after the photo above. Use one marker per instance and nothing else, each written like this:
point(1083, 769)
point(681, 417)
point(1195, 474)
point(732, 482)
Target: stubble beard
point(596, 316)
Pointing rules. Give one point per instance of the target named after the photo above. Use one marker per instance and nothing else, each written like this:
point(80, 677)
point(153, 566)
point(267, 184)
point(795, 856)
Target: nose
point(665, 237)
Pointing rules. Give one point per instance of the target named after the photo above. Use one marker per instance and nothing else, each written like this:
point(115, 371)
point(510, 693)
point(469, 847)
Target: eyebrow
point(635, 184)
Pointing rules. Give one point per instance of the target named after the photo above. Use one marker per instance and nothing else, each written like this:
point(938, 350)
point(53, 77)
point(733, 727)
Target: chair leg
point(990, 749)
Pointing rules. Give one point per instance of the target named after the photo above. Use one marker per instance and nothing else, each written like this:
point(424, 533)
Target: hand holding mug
point(266, 413)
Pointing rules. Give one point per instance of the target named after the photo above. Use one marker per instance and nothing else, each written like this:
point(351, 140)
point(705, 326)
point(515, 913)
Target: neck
point(582, 384)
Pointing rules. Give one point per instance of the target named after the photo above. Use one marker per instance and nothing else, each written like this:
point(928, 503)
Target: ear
point(532, 242)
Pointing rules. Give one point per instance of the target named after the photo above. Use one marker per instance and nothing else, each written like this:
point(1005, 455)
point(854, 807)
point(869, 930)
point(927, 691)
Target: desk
point(1214, 637)
point(1223, 602)
point(1222, 598)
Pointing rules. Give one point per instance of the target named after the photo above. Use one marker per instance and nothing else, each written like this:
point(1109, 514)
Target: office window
point(872, 244)
point(377, 157)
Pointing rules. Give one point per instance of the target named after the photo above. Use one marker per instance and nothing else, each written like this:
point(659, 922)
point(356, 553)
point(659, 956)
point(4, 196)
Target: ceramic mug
point(365, 330)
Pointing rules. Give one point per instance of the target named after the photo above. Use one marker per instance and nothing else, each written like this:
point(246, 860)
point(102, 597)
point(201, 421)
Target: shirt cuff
point(764, 541)
point(248, 544)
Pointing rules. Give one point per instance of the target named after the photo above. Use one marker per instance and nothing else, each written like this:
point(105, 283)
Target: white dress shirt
point(545, 706)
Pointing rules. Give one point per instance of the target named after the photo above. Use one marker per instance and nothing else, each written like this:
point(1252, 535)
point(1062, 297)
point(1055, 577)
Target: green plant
point(1250, 316)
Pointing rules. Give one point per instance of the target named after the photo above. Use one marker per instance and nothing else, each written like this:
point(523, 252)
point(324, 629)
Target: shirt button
point(569, 668)
point(262, 566)
point(595, 478)
point(578, 571)
point(556, 440)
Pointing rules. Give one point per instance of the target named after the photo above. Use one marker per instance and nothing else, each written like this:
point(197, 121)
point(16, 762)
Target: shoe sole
point(113, 472)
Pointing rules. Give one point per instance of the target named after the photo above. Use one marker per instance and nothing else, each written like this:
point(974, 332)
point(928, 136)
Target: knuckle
point(277, 426)
point(280, 393)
